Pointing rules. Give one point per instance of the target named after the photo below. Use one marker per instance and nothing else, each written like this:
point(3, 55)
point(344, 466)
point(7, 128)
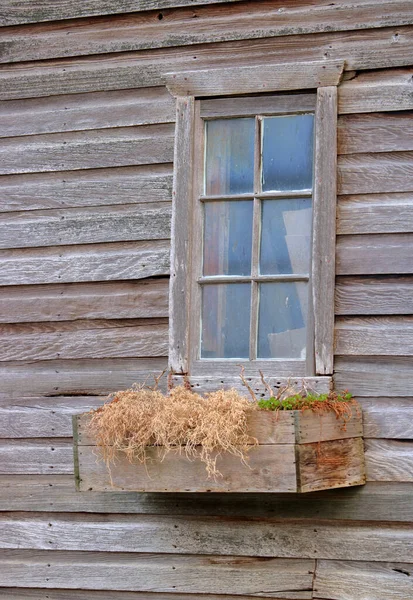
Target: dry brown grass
point(182, 421)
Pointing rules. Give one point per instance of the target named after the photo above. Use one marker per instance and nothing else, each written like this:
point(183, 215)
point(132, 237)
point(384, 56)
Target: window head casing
point(247, 284)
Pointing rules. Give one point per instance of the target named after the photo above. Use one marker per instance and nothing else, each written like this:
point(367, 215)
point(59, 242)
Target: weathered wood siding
point(86, 150)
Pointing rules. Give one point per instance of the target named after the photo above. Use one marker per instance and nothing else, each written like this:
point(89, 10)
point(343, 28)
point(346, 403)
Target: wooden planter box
point(297, 452)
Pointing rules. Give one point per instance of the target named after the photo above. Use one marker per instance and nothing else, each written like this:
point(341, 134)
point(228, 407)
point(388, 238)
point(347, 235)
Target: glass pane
point(282, 320)
point(287, 153)
point(225, 320)
point(228, 237)
point(229, 162)
point(285, 236)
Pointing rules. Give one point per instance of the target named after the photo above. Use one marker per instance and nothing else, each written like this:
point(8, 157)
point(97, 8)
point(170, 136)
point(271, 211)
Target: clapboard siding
point(380, 376)
point(118, 147)
point(379, 132)
point(212, 24)
point(103, 300)
point(372, 336)
point(374, 295)
point(36, 457)
point(375, 213)
point(19, 594)
point(85, 226)
point(375, 173)
point(365, 49)
point(375, 254)
point(90, 187)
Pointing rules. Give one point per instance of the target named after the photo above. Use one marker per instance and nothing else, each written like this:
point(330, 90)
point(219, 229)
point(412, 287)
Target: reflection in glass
point(225, 320)
point(229, 162)
point(287, 153)
point(228, 237)
point(285, 236)
point(282, 320)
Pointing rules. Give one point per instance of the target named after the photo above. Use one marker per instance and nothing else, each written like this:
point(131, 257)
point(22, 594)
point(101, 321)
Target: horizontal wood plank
point(24, 594)
point(90, 187)
point(77, 377)
point(36, 457)
point(375, 501)
point(390, 418)
point(362, 49)
point(229, 81)
point(387, 90)
point(106, 300)
point(375, 213)
point(211, 24)
point(380, 132)
point(375, 376)
point(60, 227)
point(375, 173)
point(281, 538)
point(119, 147)
point(86, 111)
point(374, 296)
point(389, 460)
point(289, 579)
point(100, 262)
point(361, 581)
point(374, 336)
point(375, 254)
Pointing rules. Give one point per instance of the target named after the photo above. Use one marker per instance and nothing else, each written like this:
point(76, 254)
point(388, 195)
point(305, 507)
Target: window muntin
point(255, 212)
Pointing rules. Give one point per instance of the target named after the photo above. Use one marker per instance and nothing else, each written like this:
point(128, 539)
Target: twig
point(244, 381)
point(266, 385)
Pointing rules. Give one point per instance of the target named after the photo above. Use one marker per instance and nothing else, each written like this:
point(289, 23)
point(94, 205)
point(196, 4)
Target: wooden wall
point(86, 149)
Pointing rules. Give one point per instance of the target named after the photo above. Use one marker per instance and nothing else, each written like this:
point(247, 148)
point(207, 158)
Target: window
point(252, 274)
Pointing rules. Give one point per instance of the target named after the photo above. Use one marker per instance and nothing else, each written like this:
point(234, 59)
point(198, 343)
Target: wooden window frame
point(323, 78)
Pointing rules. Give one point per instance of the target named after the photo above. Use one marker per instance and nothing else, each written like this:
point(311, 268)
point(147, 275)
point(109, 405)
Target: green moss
point(304, 401)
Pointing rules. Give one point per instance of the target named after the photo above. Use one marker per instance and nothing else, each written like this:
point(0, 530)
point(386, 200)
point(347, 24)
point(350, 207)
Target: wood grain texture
point(20, 594)
point(375, 501)
point(374, 376)
point(362, 581)
point(100, 262)
point(281, 538)
point(189, 26)
point(379, 132)
point(247, 106)
point(90, 187)
point(378, 91)
point(374, 296)
point(86, 111)
point(389, 460)
point(374, 336)
point(363, 49)
point(375, 173)
point(108, 300)
point(229, 81)
point(324, 232)
point(118, 147)
point(276, 578)
point(85, 339)
point(374, 254)
point(36, 457)
point(62, 227)
point(77, 377)
point(310, 427)
point(375, 213)
point(390, 418)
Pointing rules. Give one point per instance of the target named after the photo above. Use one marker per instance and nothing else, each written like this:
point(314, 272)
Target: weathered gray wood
point(371, 296)
point(374, 336)
point(133, 260)
point(233, 80)
point(324, 237)
point(20, 594)
point(205, 384)
point(85, 226)
point(55, 378)
point(388, 418)
point(362, 581)
point(389, 460)
point(269, 468)
point(90, 187)
point(375, 173)
point(37, 457)
point(375, 213)
point(375, 254)
point(375, 501)
point(86, 111)
point(381, 132)
point(378, 91)
point(87, 150)
point(289, 579)
point(212, 24)
point(85, 339)
point(238, 107)
point(109, 300)
point(311, 427)
point(185, 534)
point(363, 49)
point(378, 376)
point(180, 235)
